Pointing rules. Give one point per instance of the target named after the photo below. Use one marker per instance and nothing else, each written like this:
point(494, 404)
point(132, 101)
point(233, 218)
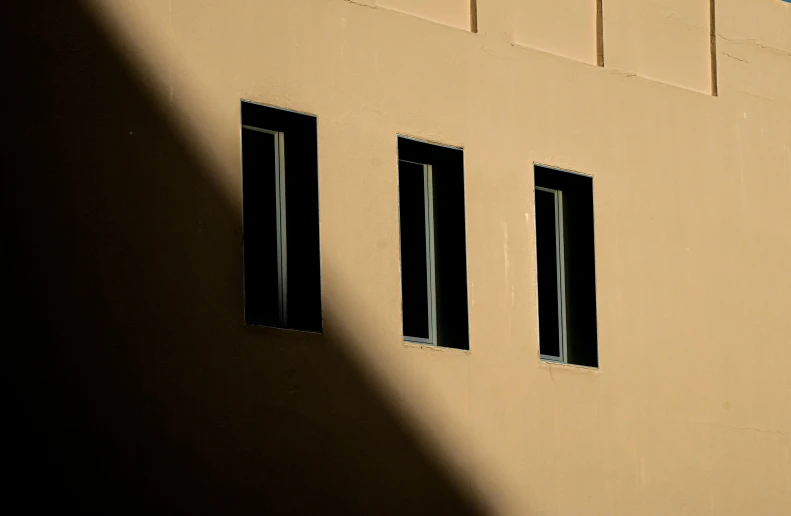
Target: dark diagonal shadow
point(134, 386)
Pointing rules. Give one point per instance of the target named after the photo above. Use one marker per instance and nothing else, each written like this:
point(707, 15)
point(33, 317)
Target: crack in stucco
point(741, 427)
point(762, 97)
point(362, 3)
point(736, 58)
point(672, 16)
point(754, 42)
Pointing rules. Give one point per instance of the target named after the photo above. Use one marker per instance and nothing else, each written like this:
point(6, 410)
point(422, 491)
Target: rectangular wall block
point(455, 13)
point(563, 27)
point(664, 40)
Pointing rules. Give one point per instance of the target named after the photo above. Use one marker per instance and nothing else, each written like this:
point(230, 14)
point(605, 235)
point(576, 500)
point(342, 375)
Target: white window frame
point(280, 207)
point(431, 286)
point(560, 265)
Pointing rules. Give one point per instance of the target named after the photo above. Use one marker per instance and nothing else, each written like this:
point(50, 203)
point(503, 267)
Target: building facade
point(143, 387)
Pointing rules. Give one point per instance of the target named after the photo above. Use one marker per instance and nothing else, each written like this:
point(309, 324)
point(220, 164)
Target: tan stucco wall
point(455, 13)
point(563, 27)
point(665, 40)
point(690, 410)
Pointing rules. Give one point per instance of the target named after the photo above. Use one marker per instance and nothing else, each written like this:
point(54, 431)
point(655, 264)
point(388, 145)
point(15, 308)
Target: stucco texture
point(126, 168)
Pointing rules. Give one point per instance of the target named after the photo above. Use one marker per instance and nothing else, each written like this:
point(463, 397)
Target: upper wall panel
point(455, 13)
point(664, 40)
point(563, 27)
point(765, 22)
point(754, 47)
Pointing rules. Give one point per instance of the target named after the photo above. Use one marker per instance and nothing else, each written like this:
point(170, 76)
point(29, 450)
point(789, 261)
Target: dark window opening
point(566, 267)
point(282, 277)
point(433, 244)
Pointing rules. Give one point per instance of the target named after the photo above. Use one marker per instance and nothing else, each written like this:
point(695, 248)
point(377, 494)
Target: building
point(137, 386)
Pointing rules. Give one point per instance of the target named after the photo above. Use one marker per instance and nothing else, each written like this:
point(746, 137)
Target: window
point(566, 267)
point(433, 244)
point(282, 278)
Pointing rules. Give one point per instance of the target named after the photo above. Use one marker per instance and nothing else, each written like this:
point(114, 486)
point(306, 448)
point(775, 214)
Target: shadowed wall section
point(135, 387)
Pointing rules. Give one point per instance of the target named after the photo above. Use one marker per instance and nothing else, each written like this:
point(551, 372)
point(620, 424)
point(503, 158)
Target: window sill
point(431, 347)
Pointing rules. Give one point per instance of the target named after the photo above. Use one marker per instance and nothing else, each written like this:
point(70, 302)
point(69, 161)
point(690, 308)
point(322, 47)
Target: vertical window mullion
point(561, 275)
point(428, 193)
point(282, 248)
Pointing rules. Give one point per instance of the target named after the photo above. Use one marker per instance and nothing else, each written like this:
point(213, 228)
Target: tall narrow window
point(433, 244)
point(282, 278)
point(566, 267)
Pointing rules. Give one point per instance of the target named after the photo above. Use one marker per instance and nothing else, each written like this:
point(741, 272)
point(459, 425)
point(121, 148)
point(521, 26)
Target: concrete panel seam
point(715, 90)
point(599, 33)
